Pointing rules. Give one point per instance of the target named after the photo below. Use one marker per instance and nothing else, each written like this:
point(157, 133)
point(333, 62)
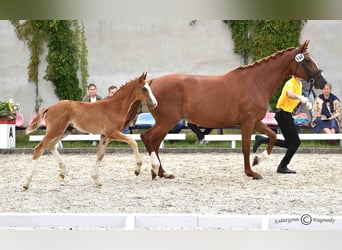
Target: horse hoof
point(258, 177)
point(153, 175)
point(136, 173)
point(25, 188)
point(169, 176)
point(255, 161)
point(99, 185)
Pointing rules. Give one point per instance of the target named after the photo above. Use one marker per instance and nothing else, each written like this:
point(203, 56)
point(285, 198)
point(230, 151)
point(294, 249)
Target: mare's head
point(307, 68)
point(144, 92)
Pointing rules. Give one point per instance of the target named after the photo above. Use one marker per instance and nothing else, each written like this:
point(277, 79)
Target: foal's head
point(307, 68)
point(144, 93)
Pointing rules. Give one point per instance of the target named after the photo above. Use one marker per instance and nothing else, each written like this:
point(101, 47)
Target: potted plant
point(8, 110)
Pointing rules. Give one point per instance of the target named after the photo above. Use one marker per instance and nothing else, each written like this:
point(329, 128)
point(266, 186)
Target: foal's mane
point(128, 83)
point(266, 59)
point(133, 109)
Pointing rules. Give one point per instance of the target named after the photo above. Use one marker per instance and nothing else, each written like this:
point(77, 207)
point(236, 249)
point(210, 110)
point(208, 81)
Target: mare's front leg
point(99, 156)
point(152, 139)
point(246, 142)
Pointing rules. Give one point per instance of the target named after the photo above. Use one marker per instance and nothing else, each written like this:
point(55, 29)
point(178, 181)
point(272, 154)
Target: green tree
point(62, 59)
point(256, 39)
point(31, 32)
point(67, 52)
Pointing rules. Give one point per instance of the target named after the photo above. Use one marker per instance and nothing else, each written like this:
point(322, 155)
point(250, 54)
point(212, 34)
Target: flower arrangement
point(8, 110)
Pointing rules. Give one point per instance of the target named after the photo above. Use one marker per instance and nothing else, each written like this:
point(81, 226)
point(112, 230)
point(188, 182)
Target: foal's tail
point(34, 125)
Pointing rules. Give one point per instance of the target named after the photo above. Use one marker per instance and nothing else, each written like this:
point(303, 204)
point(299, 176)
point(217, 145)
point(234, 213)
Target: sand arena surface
point(205, 183)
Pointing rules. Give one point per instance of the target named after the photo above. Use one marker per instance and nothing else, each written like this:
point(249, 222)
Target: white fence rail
point(233, 138)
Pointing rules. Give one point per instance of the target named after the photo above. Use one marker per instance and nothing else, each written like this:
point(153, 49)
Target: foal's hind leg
point(48, 141)
point(38, 150)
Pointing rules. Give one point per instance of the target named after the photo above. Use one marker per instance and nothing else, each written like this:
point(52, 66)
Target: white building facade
point(121, 50)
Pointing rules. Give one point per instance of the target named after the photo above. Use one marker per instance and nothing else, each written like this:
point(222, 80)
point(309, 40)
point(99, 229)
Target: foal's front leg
point(100, 153)
point(59, 160)
point(117, 135)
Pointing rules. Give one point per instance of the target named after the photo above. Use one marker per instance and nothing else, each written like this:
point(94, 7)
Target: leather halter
point(311, 75)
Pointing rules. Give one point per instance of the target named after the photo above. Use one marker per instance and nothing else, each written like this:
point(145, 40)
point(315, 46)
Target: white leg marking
point(155, 162)
point(29, 176)
point(94, 174)
point(263, 156)
point(60, 162)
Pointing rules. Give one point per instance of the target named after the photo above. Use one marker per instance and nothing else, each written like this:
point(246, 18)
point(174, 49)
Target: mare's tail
point(34, 125)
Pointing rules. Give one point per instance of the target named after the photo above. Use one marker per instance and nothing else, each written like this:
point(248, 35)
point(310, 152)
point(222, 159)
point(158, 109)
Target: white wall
point(122, 50)
point(325, 47)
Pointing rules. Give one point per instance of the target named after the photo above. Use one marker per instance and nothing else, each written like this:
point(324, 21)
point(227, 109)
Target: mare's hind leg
point(246, 142)
point(152, 139)
point(264, 129)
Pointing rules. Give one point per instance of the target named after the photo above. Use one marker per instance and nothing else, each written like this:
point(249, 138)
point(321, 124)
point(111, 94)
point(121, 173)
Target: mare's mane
point(265, 59)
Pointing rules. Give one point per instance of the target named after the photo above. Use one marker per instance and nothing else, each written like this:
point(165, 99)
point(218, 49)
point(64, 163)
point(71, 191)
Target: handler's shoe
point(285, 170)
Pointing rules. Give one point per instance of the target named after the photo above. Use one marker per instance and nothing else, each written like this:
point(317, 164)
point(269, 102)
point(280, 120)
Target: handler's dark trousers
point(290, 133)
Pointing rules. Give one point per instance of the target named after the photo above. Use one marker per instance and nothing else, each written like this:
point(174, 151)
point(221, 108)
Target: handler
point(291, 95)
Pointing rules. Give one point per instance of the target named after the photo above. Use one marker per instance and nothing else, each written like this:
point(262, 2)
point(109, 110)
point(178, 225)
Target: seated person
point(178, 127)
point(200, 135)
point(326, 112)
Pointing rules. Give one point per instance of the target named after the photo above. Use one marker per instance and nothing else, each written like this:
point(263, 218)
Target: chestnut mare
point(105, 117)
point(239, 97)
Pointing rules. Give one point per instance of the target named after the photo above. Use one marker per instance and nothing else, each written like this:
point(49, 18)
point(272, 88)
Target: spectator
point(91, 96)
point(200, 135)
point(178, 127)
point(111, 91)
point(326, 112)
